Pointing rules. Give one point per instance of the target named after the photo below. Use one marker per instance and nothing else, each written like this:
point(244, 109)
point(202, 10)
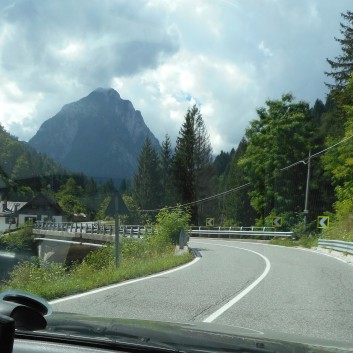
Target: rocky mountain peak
point(100, 135)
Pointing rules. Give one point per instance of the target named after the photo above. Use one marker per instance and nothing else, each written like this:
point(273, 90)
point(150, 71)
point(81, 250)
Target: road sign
point(209, 222)
point(323, 221)
point(116, 206)
point(277, 221)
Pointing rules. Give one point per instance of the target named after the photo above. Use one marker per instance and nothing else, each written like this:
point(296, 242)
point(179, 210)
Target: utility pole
point(306, 210)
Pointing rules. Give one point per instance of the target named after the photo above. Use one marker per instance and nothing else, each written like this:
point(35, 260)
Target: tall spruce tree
point(192, 160)
point(342, 65)
point(168, 196)
point(147, 185)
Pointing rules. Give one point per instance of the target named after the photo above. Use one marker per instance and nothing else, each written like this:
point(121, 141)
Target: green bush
point(100, 259)
point(18, 241)
point(169, 223)
point(340, 229)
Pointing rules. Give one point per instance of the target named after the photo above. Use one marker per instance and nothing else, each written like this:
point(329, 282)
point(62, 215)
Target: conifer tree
point(147, 186)
point(192, 160)
point(342, 65)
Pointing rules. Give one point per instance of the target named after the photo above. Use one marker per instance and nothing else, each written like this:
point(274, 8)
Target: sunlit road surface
point(251, 285)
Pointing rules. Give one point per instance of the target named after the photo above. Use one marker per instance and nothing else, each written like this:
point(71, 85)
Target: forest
point(294, 161)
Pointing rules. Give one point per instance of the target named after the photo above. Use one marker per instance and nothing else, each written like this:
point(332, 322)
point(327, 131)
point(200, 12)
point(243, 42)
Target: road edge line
point(244, 292)
point(125, 283)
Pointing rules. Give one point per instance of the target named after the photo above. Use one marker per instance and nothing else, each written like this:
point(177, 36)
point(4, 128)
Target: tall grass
point(54, 280)
point(304, 241)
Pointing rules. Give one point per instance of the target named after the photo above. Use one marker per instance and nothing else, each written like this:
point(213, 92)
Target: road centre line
point(243, 293)
point(113, 286)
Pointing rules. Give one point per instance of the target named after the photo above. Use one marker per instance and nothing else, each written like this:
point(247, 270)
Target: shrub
point(169, 223)
point(101, 258)
point(18, 241)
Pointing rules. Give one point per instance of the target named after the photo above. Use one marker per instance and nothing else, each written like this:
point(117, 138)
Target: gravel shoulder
point(347, 258)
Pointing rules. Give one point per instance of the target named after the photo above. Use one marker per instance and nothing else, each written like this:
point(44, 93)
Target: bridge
point(66, 242)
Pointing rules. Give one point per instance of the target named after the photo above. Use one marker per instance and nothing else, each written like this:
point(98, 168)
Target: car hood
point(187, 337)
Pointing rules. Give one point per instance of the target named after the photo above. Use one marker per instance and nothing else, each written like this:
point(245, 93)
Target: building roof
point(9, 207)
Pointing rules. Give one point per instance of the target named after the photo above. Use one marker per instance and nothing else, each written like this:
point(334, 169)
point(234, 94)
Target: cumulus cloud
point(227, 56)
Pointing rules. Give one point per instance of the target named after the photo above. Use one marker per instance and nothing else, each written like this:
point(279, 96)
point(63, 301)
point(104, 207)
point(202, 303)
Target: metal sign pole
point(117, 231)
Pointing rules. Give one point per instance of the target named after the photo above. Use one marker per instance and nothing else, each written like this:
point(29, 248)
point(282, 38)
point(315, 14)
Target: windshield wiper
point(127, 344)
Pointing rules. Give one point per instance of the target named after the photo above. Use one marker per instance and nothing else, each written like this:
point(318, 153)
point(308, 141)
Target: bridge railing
point(94, 228)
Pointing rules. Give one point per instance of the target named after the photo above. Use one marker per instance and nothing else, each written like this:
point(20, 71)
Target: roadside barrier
point(338, 245)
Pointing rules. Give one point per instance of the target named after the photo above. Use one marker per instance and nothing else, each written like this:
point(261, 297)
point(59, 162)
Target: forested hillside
point(23, 170)
point(272, 161)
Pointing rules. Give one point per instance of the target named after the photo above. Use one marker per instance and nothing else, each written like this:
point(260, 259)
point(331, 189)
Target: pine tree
point(192, 160)
point(342, 65)
point(168, 196)
point(147, 185)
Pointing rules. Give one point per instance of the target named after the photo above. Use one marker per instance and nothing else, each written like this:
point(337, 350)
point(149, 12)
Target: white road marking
point(243, 293)
point(102, 289)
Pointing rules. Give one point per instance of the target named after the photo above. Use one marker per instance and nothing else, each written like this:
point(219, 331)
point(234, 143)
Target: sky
point(226, 56)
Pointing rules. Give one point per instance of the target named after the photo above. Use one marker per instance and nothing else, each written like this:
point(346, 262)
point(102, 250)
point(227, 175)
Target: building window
point(10, 220)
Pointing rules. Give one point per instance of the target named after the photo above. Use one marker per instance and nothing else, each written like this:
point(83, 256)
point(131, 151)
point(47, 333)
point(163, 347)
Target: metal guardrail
point(232, 232)
point(338, 245)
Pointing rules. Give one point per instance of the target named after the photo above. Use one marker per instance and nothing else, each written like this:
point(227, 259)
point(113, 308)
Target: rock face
point(100, 135)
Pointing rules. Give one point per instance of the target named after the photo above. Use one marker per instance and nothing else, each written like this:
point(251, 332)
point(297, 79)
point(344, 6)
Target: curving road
point(253, 285)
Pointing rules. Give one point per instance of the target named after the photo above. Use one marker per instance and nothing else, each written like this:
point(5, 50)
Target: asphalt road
point(251, 285)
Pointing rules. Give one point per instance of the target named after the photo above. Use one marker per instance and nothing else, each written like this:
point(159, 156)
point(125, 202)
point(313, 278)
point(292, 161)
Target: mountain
point(100, 135)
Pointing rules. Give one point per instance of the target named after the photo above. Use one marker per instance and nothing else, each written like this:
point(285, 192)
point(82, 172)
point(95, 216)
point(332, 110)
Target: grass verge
point(53, 280)
point(304, 242)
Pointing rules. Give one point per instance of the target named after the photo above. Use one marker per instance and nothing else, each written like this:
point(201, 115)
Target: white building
point(40, 208)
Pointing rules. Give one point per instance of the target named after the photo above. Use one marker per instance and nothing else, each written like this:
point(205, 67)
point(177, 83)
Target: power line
point(329, 148)
point(206, 199)
point(212, 197)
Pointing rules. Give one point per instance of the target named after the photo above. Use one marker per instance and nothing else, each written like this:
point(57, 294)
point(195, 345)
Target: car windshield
point(179, 162)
